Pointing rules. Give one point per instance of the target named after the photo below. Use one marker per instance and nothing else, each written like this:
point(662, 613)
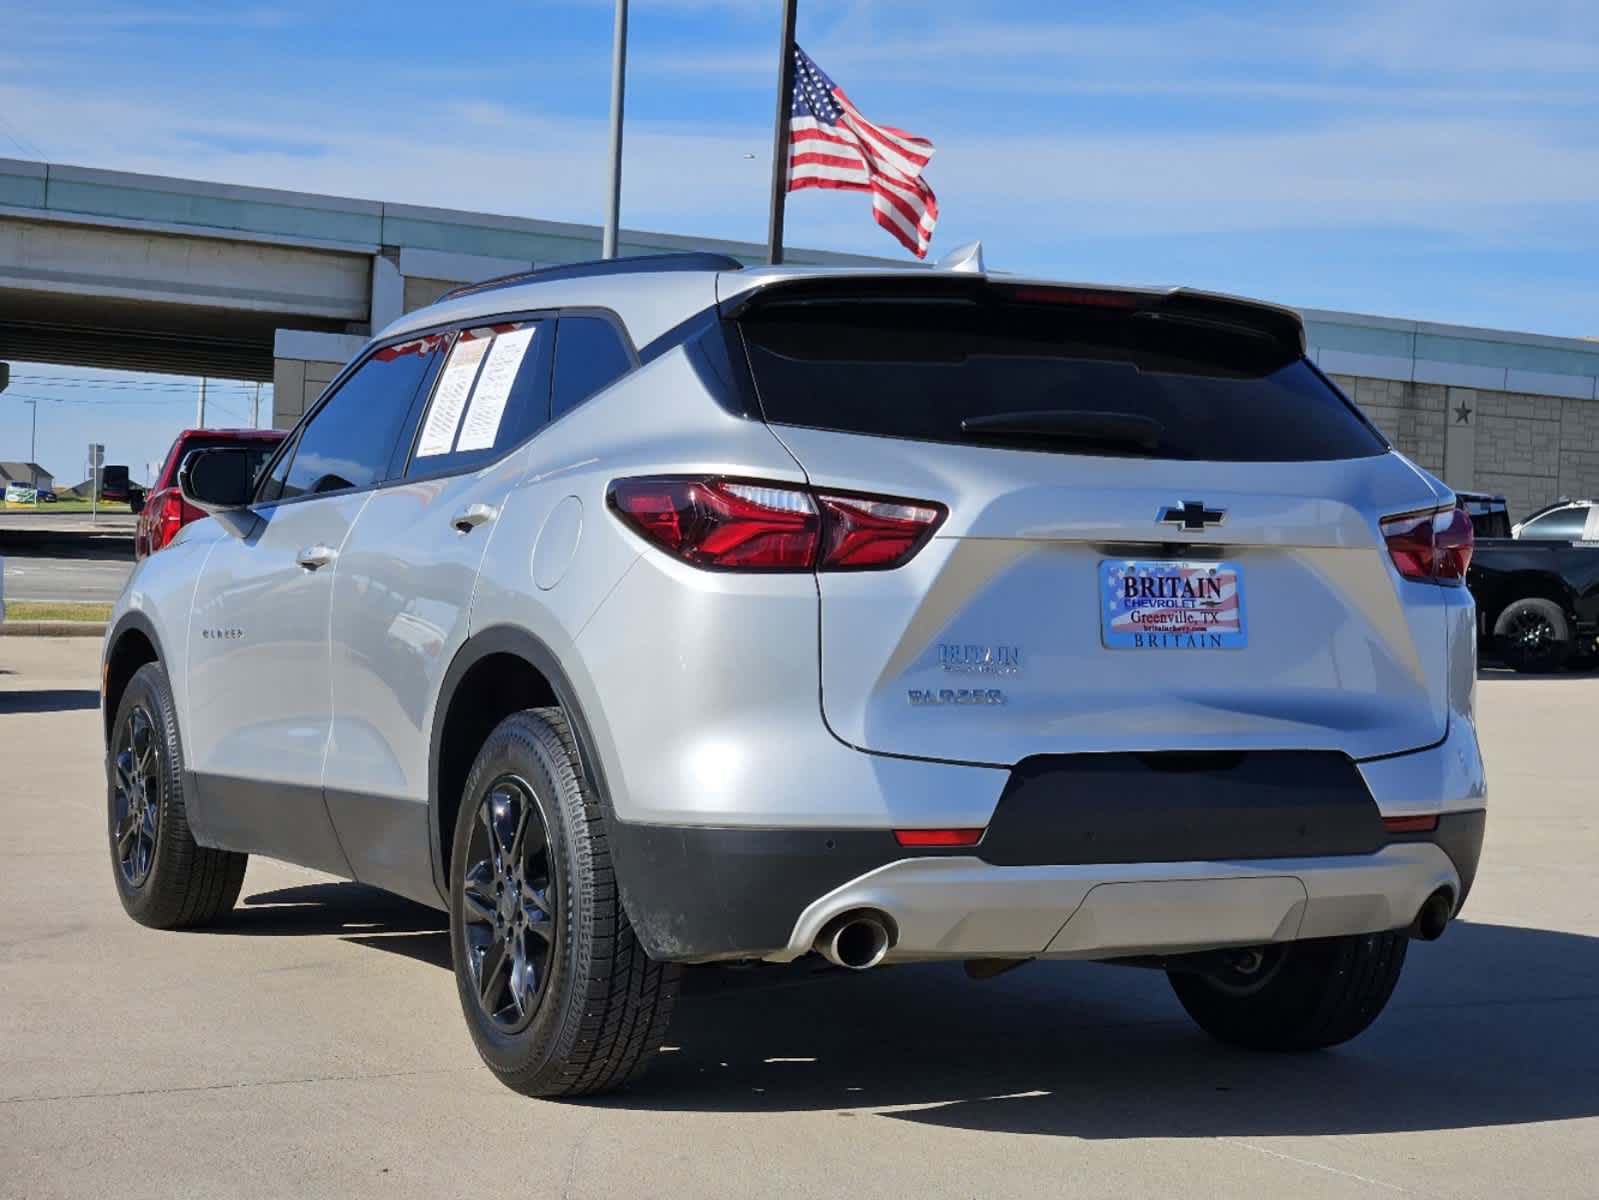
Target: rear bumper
point(697, 895)
point(1246, 848)
point(966, 908)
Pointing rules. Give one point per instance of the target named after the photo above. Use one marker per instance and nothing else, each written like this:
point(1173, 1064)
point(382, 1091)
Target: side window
point(348, 441)
point(1562, 525)
point(270, 487)
point(589, 355)
point(491, 396)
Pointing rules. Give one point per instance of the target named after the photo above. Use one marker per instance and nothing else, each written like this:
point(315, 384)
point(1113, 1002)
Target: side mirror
point(215, 481)
point(135, 500)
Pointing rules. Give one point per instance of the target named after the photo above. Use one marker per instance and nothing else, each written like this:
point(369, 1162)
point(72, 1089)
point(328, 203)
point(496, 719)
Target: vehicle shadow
point(46, 700)
point(1493, 1025)
point(360, 915)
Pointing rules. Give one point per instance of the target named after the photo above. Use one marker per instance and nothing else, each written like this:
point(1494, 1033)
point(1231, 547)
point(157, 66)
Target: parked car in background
point(162, 510)
point(1536, 583)
point(46, 496)
point(114, 483)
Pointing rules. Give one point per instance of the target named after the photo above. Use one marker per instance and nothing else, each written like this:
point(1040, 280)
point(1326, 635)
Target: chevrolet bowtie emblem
point(1191, 515)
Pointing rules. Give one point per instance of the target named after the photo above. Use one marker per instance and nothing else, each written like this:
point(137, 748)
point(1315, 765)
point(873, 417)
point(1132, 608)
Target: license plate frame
point(1171, 604)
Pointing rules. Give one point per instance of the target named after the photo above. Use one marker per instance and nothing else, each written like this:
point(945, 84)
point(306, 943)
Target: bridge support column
point(304, 363)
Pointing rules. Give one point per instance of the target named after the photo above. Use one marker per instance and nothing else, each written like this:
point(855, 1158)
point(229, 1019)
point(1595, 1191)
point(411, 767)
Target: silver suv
point(663, 611)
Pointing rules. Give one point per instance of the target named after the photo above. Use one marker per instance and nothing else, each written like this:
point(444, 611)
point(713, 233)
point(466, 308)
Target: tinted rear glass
point(918, 369)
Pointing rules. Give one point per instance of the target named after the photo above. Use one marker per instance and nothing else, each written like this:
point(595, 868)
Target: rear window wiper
point(1066, 424)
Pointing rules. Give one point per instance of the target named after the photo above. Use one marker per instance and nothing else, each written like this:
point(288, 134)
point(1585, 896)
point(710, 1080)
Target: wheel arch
point(498, 671)
point(133, 642)
point(1533, 585)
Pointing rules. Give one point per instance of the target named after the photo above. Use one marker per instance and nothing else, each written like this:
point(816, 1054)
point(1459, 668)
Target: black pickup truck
point(1536, 584)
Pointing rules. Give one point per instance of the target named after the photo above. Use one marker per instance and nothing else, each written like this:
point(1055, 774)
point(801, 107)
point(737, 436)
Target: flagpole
point(613, 203)
point(785, 106)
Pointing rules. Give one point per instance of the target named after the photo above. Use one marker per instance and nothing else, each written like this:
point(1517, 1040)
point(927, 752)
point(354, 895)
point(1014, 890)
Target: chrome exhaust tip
point(856, 940)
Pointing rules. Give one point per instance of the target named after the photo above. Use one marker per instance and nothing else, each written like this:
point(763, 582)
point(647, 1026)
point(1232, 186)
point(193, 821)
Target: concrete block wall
point(1528, 447)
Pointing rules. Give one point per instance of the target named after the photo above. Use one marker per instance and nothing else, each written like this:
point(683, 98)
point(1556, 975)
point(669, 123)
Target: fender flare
point(507, 639)
point(133, 619)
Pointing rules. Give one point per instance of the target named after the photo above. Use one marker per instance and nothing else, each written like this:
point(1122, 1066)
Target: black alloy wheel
point(1532, 633)
point(136, 795)
point(559, 995)
point(165, 879)
point(510, 898)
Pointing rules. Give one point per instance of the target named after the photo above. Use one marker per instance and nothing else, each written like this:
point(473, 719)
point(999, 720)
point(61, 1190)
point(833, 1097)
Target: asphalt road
point(56, 577)
point(66, 557)
point(312, 1044)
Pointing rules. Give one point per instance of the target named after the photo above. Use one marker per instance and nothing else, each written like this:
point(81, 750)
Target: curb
point(56, 629)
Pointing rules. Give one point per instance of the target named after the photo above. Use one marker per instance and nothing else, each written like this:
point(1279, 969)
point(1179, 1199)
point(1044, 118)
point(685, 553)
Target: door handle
point(316, 556)
point(473, 515)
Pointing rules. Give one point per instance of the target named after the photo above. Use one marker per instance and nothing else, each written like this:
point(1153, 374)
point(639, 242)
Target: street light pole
point(613, 202)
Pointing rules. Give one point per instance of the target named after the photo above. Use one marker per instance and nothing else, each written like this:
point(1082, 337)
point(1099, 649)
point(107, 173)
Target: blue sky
point(1420, 158)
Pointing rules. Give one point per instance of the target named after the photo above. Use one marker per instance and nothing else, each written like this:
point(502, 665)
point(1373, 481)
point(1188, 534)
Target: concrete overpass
point(99, 268)
point(141, 272)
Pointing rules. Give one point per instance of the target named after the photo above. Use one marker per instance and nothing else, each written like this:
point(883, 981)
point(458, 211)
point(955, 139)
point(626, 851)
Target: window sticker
point(454, 386)
point(487, 410)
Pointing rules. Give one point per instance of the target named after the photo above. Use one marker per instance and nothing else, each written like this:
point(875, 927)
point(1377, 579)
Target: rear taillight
point(745, 525)
point(166, 517)
point(1430, 547)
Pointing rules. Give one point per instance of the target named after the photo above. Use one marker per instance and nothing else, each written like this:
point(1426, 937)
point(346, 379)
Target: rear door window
point(1105, 382)
point(491, 395)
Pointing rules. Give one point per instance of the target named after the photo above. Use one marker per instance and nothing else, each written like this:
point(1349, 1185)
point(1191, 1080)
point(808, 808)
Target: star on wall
point(1463, 415)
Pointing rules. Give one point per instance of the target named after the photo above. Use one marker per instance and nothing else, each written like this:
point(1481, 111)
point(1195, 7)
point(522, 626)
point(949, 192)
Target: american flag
point(831, 145)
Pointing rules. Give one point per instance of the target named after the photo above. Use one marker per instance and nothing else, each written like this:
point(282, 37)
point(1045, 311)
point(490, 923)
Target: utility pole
point(785, 109)
point(613, 202)
point(33, 452)
point(255, 412)
point(199, 421)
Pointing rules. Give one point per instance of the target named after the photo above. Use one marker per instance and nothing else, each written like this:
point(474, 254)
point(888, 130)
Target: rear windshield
point(1117, 383)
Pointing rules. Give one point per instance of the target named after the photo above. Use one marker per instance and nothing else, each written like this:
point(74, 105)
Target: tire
point(164, 878)
point(1533, 636)
point(1300, 995)
point(577, 1007)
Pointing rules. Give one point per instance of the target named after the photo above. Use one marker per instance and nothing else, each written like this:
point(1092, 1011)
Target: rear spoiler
point(1282, 326)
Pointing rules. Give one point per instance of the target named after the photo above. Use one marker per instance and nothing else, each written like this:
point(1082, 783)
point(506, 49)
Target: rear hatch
point(1163, 527)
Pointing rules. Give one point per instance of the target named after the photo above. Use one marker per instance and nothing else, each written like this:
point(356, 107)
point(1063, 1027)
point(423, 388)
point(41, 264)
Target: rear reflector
point(938, 837)
point(1430, 547)
point(749, 525)
point(1410, 824)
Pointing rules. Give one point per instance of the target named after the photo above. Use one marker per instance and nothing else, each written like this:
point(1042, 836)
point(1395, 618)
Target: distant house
point(31, 474)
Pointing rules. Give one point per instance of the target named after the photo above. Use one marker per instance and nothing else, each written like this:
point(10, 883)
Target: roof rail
point(638, 264)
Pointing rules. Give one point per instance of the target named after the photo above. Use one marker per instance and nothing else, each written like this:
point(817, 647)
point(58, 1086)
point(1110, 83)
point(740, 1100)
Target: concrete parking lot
point(312, 1045)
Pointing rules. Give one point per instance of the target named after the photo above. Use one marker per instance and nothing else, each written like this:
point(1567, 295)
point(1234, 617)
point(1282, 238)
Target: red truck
point(164, 511)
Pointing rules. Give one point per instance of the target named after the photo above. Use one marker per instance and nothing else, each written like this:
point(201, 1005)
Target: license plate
point(1158, 605)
